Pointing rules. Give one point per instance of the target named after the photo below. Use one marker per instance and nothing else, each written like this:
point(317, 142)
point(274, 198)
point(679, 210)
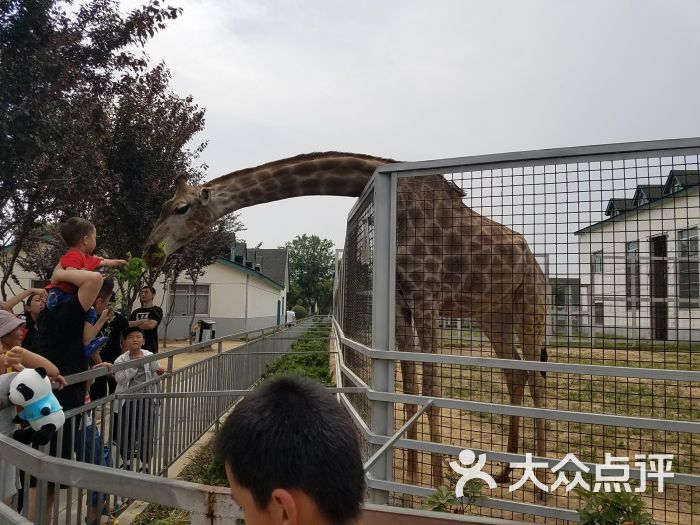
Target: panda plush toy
point(31, 390)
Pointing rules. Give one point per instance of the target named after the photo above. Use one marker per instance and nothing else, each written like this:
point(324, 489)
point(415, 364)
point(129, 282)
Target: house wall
point(227, 302)
point(667, 218)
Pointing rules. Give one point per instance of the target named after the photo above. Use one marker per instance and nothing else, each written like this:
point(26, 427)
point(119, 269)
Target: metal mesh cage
point(585, 262)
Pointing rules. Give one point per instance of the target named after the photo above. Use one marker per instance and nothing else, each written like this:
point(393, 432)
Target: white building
point(640, 268)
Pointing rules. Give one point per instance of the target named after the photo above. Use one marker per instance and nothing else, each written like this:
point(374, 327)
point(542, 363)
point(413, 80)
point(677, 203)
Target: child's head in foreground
point(291, 453)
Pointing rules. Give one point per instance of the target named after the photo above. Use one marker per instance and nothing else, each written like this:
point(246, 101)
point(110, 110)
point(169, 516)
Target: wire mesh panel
point(583, 260)
point(357, 270)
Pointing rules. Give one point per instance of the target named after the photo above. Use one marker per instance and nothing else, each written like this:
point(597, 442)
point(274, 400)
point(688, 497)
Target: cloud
point(419, 80)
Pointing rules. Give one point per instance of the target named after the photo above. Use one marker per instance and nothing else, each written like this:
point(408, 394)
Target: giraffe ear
point(204, 195)
point(180, 185)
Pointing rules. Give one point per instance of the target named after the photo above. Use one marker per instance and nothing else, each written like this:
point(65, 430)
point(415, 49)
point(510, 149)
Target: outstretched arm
point(90, 331)
point(14, 301)
point(21, 356)
point(113, 263)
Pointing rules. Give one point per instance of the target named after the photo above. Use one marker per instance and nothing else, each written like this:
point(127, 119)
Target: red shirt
point(78, 260)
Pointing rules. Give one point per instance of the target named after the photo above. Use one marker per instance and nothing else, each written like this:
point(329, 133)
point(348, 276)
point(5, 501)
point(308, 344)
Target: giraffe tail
point(544, 357)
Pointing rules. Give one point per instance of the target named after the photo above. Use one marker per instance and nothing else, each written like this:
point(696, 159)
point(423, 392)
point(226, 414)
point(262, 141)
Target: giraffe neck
point(332, 173)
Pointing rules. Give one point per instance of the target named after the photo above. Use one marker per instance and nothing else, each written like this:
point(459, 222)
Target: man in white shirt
point(291, 317)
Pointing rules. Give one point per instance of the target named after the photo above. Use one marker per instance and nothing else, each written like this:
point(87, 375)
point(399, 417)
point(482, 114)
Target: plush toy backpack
point(31, 389)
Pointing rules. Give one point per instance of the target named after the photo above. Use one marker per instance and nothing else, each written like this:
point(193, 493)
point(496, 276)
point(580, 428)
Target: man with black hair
point(147, 318)
point(292, 456)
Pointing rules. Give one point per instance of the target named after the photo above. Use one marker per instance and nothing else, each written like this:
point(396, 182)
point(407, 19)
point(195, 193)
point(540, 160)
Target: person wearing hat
point(13, 358)
point(134, 421)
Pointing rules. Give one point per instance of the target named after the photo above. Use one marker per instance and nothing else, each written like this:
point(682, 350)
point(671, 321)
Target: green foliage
point(444, 499)
point(131, 273)
point(311, 267)
point(64, 72)
point(300, 311)
point(613, 508)
point(308, 357)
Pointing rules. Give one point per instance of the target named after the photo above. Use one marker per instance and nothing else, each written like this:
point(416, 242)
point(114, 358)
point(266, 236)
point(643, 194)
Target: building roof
point(683, 178)
point(273, 262)
point(270, 262)
point(655, 195)
point(647, 193)
point(616, 206)
point(250, 271)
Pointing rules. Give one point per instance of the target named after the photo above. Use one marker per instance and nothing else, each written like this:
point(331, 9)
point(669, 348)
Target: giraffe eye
point(182, 208)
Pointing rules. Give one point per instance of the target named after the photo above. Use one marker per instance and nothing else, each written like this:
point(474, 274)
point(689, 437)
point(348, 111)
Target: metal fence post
point(219, 383)
point(167, 423)
point(383, 285)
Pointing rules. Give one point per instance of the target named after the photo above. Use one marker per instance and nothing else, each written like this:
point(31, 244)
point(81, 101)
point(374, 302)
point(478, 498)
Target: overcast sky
point(418, 80)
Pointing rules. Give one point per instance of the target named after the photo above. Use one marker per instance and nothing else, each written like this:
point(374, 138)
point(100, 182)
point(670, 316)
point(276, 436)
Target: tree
point(146, 152)
point(59, 73)
point(311, 266)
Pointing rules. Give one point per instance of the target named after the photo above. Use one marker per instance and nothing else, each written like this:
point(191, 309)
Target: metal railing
point(156, 423)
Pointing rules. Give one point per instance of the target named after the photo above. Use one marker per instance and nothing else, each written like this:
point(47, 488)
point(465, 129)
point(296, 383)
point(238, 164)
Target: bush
point(308, 357)
point(613, 508)
point(300, 311)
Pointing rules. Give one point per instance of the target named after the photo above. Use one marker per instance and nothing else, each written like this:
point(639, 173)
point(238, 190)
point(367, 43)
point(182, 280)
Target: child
point(81, 236)
point(292, 456)
point(135, 419)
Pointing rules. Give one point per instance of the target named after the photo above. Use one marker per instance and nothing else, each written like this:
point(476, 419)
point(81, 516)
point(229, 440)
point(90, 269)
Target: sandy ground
point(187, 358)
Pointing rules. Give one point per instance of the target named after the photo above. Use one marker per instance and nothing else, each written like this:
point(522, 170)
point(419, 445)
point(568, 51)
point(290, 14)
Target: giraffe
point(450, 261)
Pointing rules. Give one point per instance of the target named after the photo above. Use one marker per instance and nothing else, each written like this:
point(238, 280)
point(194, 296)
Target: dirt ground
point(187, 358)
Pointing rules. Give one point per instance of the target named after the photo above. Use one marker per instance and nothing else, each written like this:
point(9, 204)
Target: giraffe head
point(184, 216)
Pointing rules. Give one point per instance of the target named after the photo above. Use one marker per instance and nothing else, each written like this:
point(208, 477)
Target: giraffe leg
point(500, 331)
point(515, 381)
point(405, 341)
point(531, 334)
point(536, 384)
point(410, 386)
point(424, 321)
point(431, 387)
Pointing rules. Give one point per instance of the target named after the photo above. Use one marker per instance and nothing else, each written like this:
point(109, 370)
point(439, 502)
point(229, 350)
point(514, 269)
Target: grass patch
point(308, 357)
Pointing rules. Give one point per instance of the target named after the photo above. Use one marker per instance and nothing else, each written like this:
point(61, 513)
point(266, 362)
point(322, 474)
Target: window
point(184, 296)
point(598, 311)
point(632, 288)
point(688, 269)
point(597, 262)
